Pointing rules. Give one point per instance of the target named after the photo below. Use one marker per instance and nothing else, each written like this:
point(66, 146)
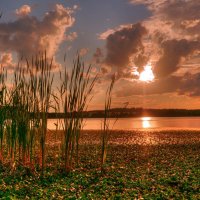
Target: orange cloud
point(105, 35)
point(27, 35)
point(6, 61)
point(23, 10)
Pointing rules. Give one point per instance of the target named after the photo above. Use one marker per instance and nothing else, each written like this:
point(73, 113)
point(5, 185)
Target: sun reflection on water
point(146, 122)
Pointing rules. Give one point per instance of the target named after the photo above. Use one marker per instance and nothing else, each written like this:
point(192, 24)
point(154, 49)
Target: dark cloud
point(140, 61)
point(190, 85)
point(123, 44)
point(27, 35)
point(182, 14)
point(173, 52)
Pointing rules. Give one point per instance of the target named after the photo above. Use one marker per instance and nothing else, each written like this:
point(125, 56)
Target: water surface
point(139, 123)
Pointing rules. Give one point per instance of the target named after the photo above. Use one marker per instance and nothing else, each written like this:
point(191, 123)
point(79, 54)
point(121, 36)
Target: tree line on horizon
point(134, 112)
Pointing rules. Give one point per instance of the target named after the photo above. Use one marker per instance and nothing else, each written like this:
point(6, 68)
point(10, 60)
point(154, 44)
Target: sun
point(147, 75)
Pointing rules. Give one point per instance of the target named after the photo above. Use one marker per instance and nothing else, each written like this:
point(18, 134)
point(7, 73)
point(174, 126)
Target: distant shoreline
point(132, 112)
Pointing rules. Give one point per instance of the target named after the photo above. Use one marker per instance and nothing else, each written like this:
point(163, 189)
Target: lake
point(139, 123)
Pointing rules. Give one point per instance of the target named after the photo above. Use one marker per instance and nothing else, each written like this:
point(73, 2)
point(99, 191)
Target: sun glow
point(146, 122)
point(147, 75)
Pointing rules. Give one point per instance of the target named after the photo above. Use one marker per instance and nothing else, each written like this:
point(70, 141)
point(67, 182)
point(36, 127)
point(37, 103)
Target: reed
point(24, 109)
point(41, 81)
point(33, 109)
point(21, 119)
point(3, 102)
point(18, 119)
point(106, 123)
point(75, 91)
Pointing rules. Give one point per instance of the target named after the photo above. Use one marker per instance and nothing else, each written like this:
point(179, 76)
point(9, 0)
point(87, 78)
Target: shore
point(141, 164)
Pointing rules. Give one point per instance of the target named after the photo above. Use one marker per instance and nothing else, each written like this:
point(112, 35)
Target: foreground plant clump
point(140, 165)
point(26, 98)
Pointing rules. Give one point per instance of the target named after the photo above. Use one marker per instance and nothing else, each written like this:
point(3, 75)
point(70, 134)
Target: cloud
point(23, 10)
point(98, 56)
point(122, 45)
point(83, 51)
point(105, 35)
point(190, 85)
point(6, 61)
point(173, 52)
point(28, 35)
point(168, 39)
point(152, 4)
point(182, 14)
point(187, 85)
point(180, 18)
point(174, 32)
point(166, 85)
point(71, 36)
point(76, 7)
point(140, 61)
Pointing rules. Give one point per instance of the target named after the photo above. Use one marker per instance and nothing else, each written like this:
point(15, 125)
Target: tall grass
point(106, 123)
point(24, 109)
point(75, 91)
point(3, 93)
point(25, 104)
point(41, 80)
point(20, 114)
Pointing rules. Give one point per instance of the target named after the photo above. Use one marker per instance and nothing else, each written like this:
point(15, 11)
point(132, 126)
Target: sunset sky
point(121, 37)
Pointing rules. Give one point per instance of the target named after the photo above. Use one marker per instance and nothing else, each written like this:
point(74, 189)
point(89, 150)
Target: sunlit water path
point(139, 123)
